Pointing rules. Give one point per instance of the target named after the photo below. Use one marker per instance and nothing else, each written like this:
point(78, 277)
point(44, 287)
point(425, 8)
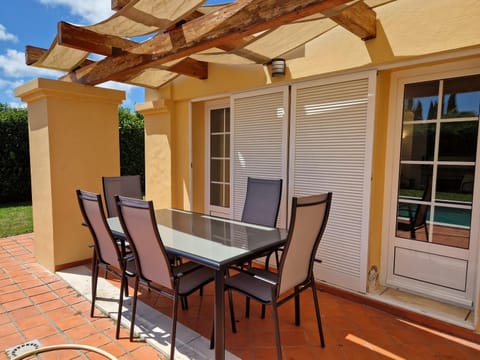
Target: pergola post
point(158, 151)
point(74, 141)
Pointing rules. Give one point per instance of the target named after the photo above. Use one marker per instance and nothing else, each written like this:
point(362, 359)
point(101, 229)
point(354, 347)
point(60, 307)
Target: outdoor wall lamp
point(278, 67)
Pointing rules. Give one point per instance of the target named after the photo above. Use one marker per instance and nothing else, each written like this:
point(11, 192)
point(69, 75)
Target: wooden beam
point(119, 4)
point(231, 22)
point(81, 38)
point(191, 67)
point(359, 19)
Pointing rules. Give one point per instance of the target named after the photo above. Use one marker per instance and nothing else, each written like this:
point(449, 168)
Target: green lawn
point(15, 219)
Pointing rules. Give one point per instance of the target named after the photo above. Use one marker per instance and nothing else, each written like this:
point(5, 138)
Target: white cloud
point(5, 35)
point(131, 91)
point(12, 64)
point(92, 11)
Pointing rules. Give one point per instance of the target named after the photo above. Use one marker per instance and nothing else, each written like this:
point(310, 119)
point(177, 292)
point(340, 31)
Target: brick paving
point(37, 305)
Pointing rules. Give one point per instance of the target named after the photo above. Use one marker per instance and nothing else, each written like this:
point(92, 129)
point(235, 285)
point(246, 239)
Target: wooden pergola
point(183, 42)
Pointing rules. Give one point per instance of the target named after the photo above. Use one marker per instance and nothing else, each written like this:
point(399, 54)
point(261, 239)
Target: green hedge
point(15, 157)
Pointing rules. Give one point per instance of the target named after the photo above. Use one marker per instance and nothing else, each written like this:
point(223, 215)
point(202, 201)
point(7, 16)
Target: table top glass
point(212, 241)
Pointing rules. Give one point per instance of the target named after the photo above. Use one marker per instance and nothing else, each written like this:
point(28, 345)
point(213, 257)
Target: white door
point(218, 158)
point(259, 143)
point(331, 150)
point(432, 214)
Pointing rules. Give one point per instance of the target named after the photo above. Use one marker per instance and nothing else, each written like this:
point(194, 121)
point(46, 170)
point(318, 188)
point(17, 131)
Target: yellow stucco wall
point(198, 156)
point(73, 132)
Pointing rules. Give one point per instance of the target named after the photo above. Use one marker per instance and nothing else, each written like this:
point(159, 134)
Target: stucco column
point(74, 141)
point(158, 151)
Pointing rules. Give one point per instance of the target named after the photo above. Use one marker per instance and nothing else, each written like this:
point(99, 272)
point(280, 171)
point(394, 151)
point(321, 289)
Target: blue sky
point(34, 22)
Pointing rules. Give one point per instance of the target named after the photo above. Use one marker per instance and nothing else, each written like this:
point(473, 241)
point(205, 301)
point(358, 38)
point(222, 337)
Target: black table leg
point(219, 315)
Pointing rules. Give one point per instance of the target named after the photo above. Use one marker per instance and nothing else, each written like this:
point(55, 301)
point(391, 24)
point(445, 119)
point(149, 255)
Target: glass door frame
point(212, 209)
point(387, 277)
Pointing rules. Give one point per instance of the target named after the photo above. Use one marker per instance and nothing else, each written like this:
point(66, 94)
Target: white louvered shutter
point(331, 150)
point(259, 143)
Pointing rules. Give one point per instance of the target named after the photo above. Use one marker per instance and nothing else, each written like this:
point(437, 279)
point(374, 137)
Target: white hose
point(65, 347)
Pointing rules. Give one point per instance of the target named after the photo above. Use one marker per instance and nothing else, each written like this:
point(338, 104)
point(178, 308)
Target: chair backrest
point(262, 201)
point(140, 227)
point(127, 185)
point(106, 248)
point(308, 221)
point(421, 211)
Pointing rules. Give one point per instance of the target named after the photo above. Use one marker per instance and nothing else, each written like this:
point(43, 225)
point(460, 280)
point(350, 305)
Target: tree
point(132, 144)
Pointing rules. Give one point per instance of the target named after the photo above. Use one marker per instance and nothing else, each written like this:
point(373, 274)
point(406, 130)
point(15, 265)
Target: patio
point(36, 304)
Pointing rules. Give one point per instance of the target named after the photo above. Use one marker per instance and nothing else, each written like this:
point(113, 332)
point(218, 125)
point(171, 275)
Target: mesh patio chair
point(127, 185)
point(262, 204)
point(308, 222)
point(154, 269)
point(107, 254)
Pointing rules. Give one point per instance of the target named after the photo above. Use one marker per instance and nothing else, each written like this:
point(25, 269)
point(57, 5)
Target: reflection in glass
point(414, 179)
point(412, 221)
point(461, 97)
point(458, 141)
point(452, 227)
point(421, 101)
point(418, 142)
point(455, 184)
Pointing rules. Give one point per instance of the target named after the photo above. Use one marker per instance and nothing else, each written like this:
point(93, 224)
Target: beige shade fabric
point(152, 17)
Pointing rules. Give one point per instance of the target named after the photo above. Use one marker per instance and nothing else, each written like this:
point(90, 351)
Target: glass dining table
point(213, 242)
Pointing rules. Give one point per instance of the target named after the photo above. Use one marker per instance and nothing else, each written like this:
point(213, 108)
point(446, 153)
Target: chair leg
point(174, 327)
point(94, 283)
point(212, 337)
point(262, 316)
point(247, 306)
point(297, 306)
point(277, 331)
point(232, 312)
point(317, 312)
point(134, 307)
point(123, 284)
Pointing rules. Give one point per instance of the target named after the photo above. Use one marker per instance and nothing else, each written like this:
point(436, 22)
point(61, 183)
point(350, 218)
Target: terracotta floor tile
point(17, 304)
point(10, 339)
point(39, 332)
point(82, 331)
point(147, 352)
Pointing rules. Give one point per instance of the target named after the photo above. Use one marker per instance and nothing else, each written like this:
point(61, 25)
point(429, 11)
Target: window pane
point(414, 180)
point(217, 123)
point(227, 171)
point(412, 221)
point(227, 120)
point(226, 200)
point(458, 141)
point(216, 170)
point(216, 194)
point(418, 142)
point(421, 101)
point(216, 145)
point(452, 227)
point(455, 184)
point(461, 97)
